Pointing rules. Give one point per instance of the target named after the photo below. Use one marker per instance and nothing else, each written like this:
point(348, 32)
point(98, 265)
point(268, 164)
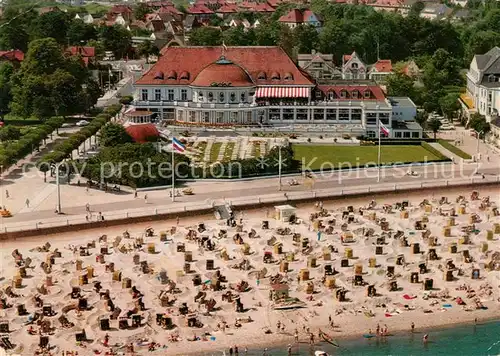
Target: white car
point(82, 123)
point(66, 125)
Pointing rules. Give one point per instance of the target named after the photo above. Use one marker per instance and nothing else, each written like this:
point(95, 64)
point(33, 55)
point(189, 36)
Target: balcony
point(190, 104)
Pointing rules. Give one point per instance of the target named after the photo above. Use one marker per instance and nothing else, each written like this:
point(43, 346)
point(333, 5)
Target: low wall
point(247, 204)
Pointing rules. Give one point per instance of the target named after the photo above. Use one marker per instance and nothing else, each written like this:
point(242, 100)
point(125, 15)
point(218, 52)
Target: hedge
point(16, 150)
point(65, 148)
point(435, 152)
point(454, 149)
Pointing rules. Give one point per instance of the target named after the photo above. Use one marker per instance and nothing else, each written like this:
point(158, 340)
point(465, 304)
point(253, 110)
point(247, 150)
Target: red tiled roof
point(253, 60)
point(44, 10)
point(274, 3)
point(222, 72)
point(84, 51)
point(169, 10)
point(228, 9)
point(383, 65)
point(15, 54)
point(376, 91)
point(199, 9)
point(296, 16)
point(159, 3)
point(263, 7)
point(142, 132)
point(347, 57)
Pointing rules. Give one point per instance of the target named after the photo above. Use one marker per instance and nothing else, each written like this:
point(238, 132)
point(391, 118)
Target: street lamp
point(478, 134)
point(279, 167)
point(58, 189)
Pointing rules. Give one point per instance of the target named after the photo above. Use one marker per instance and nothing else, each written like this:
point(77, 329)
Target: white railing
point(242, 202)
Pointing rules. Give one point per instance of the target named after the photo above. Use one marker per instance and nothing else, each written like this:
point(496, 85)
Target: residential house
point(155, 26)
point(227, 10)
point(86, 52)
point(189, 85)
point(380, 70)
point(201, 11)
point(44, 10)
point(411, 69)
point(170, 11)
point(461, 15)
point(244, 23)
point(353, 67)
point(119, 15)
point(85, 17)
point(298, 17)
point(435, 11)
point(319, 66)
point(190, 22)
point(483, 84)
point(14, 56)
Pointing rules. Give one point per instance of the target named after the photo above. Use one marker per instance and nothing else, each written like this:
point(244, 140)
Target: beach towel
point(447, 305)
point(368, 336)
point(388, 315)
point(408, 297)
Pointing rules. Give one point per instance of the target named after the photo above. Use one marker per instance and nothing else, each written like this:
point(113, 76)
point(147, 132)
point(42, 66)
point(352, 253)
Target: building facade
point(255, 86)
point(483, 83)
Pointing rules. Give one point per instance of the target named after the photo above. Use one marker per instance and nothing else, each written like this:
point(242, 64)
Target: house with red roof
point(227, 86)
point(380, 70)
point(297, 17)
point(14, 56)
point(226, 10)
point(201, 11)
point(86, 52)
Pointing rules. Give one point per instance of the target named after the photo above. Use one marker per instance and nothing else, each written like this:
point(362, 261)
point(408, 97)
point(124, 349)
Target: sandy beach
point(133, 287)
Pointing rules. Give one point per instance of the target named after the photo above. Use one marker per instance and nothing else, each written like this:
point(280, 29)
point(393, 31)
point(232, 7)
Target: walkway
point(445, 152)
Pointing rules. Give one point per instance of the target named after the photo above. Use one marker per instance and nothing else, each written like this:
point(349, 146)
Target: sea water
point(467, 340)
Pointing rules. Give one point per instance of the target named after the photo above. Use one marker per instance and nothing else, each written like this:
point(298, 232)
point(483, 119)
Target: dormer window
point(354, 94)
point(367, 94)
point(200, 96)
point(172, 75)
point(243, 97)
point(262, 76)
point(210, 96)
point(232, 97)
point(184, 76)
point(354, 66)
point(491, 78)
point(288, 76)
point(343, 93)
point(331, 94)
point(159, 75)
point(221, 97)
point(275, 76)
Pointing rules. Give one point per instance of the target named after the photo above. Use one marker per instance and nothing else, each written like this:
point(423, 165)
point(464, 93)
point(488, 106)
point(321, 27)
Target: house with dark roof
point(227, 86)
point(320, 66)
point(297, 17)
point(483, 83)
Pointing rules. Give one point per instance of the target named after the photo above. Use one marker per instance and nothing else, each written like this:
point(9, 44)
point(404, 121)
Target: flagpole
point(379, 145)
point(173, 172)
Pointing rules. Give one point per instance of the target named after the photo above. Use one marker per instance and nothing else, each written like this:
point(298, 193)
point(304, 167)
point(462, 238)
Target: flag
point(177, 145)
point(384, 129)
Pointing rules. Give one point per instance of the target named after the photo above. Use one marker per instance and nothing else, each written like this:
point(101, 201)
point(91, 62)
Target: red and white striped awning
point(282, 92)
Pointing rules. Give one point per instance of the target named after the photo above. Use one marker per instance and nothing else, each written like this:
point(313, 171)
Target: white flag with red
point(384, 129)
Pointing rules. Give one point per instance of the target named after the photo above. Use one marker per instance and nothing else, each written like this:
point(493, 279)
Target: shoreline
point(278, 340)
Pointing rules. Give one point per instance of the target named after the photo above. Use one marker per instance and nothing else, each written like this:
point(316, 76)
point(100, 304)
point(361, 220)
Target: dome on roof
point(142, 133)
point(223, 72)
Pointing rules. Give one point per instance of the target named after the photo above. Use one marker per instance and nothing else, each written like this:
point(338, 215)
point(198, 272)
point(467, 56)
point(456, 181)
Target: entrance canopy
point(282, 92)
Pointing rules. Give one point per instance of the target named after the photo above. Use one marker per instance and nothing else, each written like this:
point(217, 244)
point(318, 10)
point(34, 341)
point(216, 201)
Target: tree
point(6, 72)
point(52, 24)
point(114, 134)
point(434, 125)
point(14, 35)
point(9, 133)
point(416, 8)
point(306, 37)
point(449, 104)
point(141, 10)
point(146, 49)
point(80, 33)
point(478, 122)
point(44, 57)
point(399, 84)
point(115, 38)
point(205, 36)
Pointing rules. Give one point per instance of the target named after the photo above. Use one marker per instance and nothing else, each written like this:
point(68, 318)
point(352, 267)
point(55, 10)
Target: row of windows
point(184, 96)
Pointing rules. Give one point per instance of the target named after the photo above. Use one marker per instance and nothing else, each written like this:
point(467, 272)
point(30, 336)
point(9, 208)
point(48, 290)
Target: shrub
point(126, 100)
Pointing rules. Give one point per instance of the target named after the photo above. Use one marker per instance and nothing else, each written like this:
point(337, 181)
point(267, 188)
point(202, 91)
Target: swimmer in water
point(426, 338)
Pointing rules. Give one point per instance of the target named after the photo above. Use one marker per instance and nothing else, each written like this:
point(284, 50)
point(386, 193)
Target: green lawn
point(314, 156)
point(214, 153)
point(454, 149)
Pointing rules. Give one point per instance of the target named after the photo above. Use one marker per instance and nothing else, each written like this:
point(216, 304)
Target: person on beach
point(378, 330)
point(311, 338)
point(146, 198)
point(246, 350)
point(236, 350)
point(278, 326)
point(386, 330)
point(296, 335)
point(230, 351)
point(412, 327)
point(265, 352)
point(289, 350)
point(425, 338)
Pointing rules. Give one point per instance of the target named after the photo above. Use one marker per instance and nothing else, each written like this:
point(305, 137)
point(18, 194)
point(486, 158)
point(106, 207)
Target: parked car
point(82, 123)
point(66, 125)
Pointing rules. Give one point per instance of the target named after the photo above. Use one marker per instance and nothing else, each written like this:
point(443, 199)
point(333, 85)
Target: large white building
point(217, 86)
point(483, 83)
